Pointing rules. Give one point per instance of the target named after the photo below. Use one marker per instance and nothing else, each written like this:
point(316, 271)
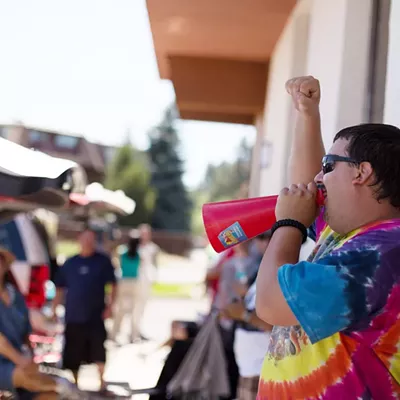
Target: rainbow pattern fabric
point(346, 298)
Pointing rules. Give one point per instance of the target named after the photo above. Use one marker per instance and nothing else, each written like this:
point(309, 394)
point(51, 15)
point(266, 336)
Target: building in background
point(93, 157)
point(229, 62)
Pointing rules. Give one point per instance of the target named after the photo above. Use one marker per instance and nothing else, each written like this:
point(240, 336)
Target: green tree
point(172, 209)
point(129, 171)
point(199, 197)
point(226, 181)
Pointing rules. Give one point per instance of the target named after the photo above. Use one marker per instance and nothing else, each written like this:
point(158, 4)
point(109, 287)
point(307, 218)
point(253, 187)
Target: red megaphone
point(229, 223)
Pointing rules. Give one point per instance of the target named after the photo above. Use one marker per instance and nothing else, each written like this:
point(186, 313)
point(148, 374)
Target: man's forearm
point(113, 294)
point(58, 300)
point(284, 248)
point(307, 149)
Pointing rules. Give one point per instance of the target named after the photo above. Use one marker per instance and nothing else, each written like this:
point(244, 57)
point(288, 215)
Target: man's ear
point(363, 174)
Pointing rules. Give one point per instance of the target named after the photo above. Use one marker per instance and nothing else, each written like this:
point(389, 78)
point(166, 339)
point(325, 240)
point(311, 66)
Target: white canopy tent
point(31, 179)
point(107, 200)
point(21, 161)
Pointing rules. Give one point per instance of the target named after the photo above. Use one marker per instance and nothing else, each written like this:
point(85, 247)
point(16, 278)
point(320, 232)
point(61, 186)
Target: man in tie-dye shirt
point(336, 316)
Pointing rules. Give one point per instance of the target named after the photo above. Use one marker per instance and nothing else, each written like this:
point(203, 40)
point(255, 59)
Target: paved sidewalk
point(184, 270)
point(140, 364)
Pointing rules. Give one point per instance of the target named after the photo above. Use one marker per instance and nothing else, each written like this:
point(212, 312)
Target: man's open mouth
point(321, 195)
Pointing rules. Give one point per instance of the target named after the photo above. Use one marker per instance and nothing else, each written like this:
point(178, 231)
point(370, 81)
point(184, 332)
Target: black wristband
point(292, 223)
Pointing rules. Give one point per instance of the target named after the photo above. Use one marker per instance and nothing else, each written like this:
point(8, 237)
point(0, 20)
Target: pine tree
point(228, 180)
point(173, 206)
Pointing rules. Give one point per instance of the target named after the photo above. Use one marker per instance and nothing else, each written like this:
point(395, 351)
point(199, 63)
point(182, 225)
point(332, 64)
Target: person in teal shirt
point(130, 260)
point(128, 289)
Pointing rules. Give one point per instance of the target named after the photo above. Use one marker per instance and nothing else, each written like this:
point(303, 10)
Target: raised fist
point(306, 94)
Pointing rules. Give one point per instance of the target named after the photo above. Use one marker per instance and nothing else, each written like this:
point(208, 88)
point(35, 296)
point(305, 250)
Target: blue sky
point(88, 67)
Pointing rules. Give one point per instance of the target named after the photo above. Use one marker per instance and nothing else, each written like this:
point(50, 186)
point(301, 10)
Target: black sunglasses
point(329, 161)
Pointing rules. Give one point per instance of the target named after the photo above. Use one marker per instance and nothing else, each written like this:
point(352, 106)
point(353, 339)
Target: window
point(66, 142)
point(37, 136)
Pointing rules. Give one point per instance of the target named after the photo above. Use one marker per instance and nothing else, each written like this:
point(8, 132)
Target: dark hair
point(264, 236)
point(378, 144)
point(133, 245)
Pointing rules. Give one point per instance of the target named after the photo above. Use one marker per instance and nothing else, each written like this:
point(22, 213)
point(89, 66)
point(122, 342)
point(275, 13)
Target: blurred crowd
point(306, 310)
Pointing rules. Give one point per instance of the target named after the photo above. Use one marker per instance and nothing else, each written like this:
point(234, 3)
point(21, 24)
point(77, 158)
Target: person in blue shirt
point(18, 374)
point(128, 290)
point(82, 281)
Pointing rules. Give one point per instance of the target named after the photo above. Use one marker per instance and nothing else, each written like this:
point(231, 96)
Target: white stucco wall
point(330, 40)
point(254, 187)
point(289, 59)
point(339, 45)
point(392, 95)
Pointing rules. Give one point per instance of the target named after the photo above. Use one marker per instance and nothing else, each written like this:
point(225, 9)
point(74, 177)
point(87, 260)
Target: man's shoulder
point(71, 261)
point(156, 247)
point(103, 259)
point(379, 240)
point(101, 255)
point(151, 247)
point(381, 236)
point(78, 260)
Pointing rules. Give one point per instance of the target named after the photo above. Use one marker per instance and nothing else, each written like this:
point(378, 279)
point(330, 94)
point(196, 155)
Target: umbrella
point(203, 372)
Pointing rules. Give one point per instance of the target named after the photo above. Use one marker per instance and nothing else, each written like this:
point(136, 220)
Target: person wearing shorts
point(83, 280)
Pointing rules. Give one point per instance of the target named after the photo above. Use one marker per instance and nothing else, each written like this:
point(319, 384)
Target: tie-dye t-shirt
point(346, 298)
